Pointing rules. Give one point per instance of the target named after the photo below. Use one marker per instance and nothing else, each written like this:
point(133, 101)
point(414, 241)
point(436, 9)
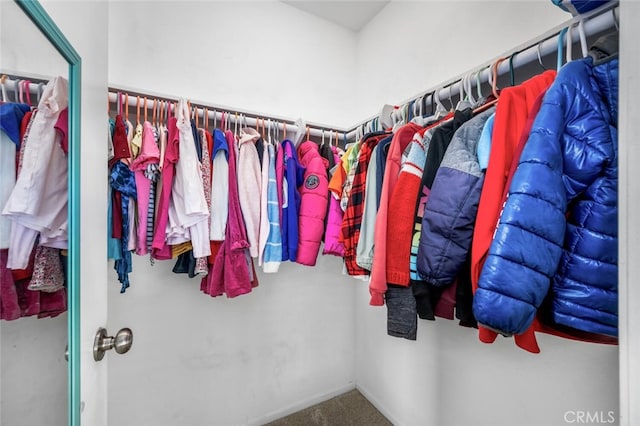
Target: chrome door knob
point(121, 342)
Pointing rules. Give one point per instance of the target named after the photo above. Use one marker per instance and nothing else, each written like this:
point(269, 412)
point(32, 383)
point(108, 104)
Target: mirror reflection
point(33, 224)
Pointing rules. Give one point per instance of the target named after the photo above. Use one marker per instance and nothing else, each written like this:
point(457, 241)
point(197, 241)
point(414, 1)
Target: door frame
point(34, 10)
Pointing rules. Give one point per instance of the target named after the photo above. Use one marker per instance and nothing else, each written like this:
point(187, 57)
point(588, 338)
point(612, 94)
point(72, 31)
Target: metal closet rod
point(251, 118)
point(9, 82)
point(596, 21)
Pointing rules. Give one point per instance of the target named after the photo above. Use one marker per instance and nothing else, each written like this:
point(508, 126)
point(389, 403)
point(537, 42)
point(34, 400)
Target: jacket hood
point(248, 135)
point(308, 150)
point(604, 48)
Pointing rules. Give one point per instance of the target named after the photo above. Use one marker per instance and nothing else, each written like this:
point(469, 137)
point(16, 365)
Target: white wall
point(198, 360)
point(411, 46)
point(33, 372)
point(447, 377)
point(263, 56)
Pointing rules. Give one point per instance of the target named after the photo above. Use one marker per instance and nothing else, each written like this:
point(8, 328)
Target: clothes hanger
point(494, 81)
point(560, 49)
point(512, 74)
point(464, 102)
point(3, 88)
point(569, 46)
point(469, 89)
point(19, 94)
point(583, 39)
point(479, 85)
point(493, 78)
point(27, 90)
point(138, 109)
point(540, 58)
point(440, 110)
point(155, 113)
point(615, 19)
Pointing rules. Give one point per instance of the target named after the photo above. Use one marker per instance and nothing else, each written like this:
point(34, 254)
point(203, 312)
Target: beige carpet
point(349, 409)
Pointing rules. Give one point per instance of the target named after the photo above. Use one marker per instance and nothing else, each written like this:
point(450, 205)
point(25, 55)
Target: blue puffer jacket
point(559, 225)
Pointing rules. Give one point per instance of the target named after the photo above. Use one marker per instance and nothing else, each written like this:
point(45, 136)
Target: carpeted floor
point(349, 409)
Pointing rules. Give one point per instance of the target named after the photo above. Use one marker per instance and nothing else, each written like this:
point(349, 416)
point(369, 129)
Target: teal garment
point(484, 145)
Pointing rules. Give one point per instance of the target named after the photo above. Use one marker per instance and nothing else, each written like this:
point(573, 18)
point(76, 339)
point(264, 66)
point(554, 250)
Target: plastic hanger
point(615, 19)
point(494, 77)
point(450, 101)
point(160, 114)
point(126, 106)
point(464, 101)
point(569, 47)
point(560, 48)
point(20, 96)
point(138, 109)
point(583, 39)
point(512, 74)
point(540, 57)
point(27, 90)
point(3, 88)
point(440, 110)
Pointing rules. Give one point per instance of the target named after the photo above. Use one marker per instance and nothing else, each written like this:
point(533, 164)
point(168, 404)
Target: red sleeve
point(400, 224)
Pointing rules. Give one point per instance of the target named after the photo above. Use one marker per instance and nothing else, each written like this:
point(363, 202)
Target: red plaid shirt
point(352, 218)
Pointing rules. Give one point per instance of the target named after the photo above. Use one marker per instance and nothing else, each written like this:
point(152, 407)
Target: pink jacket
point(332, 242)
point(313, 204)
point(231, 273)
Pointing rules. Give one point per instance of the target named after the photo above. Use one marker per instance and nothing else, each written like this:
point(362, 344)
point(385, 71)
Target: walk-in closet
point(231, 213)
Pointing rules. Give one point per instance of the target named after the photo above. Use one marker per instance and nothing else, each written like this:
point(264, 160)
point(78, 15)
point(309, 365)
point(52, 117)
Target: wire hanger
point(479, 85)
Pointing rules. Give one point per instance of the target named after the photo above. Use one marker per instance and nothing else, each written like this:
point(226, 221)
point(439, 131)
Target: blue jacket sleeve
point(563, 155)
